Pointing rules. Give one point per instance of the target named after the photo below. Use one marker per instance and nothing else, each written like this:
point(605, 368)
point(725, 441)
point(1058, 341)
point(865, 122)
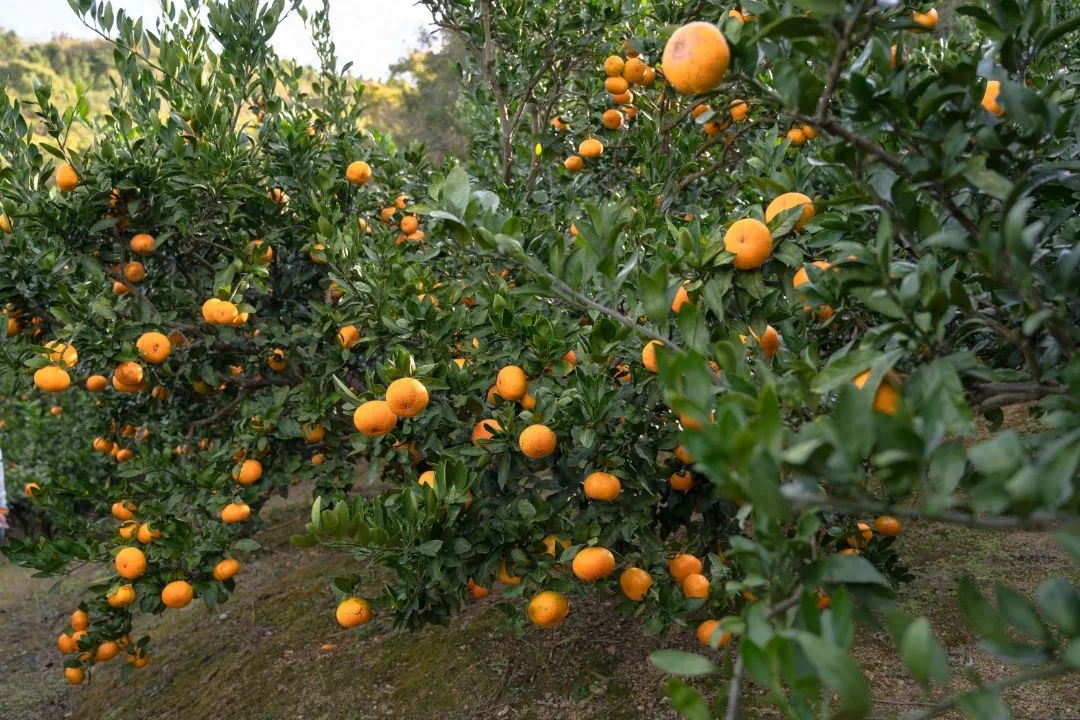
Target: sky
point(373, 34)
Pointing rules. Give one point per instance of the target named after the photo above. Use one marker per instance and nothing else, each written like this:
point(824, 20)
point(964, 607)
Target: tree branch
point(1020, 678)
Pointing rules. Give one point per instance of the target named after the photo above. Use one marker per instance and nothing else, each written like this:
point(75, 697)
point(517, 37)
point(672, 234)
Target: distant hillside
point(417, 103)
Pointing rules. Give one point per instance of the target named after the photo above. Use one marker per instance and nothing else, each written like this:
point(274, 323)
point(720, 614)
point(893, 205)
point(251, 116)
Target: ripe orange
point(358, 172)
point(248, 472)
point(612, 119)
point(635, 583)
point(74, 675)
point(769, 340)
point(66, 644)
point(707, 629)
point(559, 124)
point(145, 534)
point(374, 418)
point(750, 241)
point(616, 85)
point(591, 148)
point(127, 529)
point(648, 355)
point(219, 312)
point(177, 594)
point(80, 620)
point(96, 383)
point(796, 136)
point(348, 336)
point(990, 97)
point(235, 513)
point(129, 373)
point(887, 396)
point(52, 379)
point(681, 298)
point(62, 353)
point(537, 441)
point(683, 455)
point(134, 272)
point(613, 66)
point(574, 164)
point(142, 244)
point(277, 196)
point(864, 536)
point(477, 591)
point(409, 224)
point(511, 383)
point(276, 360)
point(602, 486)
point(67, 179)
point(105, 446)
point(695, 58)
point(593, 563)
point(787, 201)
point(681, 482)
point(548, 609)
point(427, 478)
point(505, 576)
point(406, 397)
point(153, 347)
point(106, 651)
point(484, 431)
point(887, 525)
point(695, 585)
point(927, 20)
point(121, 596)
point(139, 658)
point(623, 98)
point(682, 565)
point(122, 510)
point(5, 223)
point(313, 432)
point(226, 569)
point(130, 563)
point(739, 110)
point(30, 488)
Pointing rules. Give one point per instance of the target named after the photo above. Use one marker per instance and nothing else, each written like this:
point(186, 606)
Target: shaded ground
point(259, 657)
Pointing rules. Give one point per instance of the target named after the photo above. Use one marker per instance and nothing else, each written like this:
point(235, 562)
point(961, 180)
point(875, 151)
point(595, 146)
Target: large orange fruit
point(537, 441)
point(177, 594)
point(695, 58)
point(130, 563)
point(67, 178)
point(52, 379)
point(511, 383)
point(750, 241)
point(787, 201)
point(887, 396)
point(153, 347)
point(682, 565)
point(484, 430)
point(358, 172)
point(374, 418)
point(235, 512)
point(593, 563)
point(635, 583)
point(548, 609)
point(406, 397)
point(602, 486)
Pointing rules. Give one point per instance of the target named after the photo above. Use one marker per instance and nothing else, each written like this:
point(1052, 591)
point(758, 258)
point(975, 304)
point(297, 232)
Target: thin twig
point(995, 688)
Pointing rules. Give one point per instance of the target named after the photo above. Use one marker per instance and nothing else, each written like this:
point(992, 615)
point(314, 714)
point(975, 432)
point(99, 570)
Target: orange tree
point(610, 351)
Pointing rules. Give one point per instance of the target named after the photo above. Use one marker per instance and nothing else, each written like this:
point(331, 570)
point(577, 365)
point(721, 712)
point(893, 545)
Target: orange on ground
point(695, 58)
point(406, 397)
point(130, 563)
point(788, 201)
point(548, 609)
point(635, 583)
point(374, 418)
point(537, 441)
point(593, 563)
point(602, 486)
point(682, 565)
point(750, 241)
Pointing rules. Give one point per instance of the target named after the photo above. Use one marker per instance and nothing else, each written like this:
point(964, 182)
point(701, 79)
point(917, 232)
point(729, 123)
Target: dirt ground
point(259, 657)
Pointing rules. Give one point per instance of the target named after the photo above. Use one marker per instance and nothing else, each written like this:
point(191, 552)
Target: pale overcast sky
point(371, 33)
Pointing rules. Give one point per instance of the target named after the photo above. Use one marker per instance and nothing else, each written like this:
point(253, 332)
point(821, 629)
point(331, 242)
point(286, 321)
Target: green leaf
point(246, 545)
point(922, 654)
point(687, 701)
point(839, 672)
point(1059, 603)
point(677, 662)
point(851, 569)
point(983, 705)
point(1020, 613)
point(431, 548)
point(979, 613)
point(1069, 541)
